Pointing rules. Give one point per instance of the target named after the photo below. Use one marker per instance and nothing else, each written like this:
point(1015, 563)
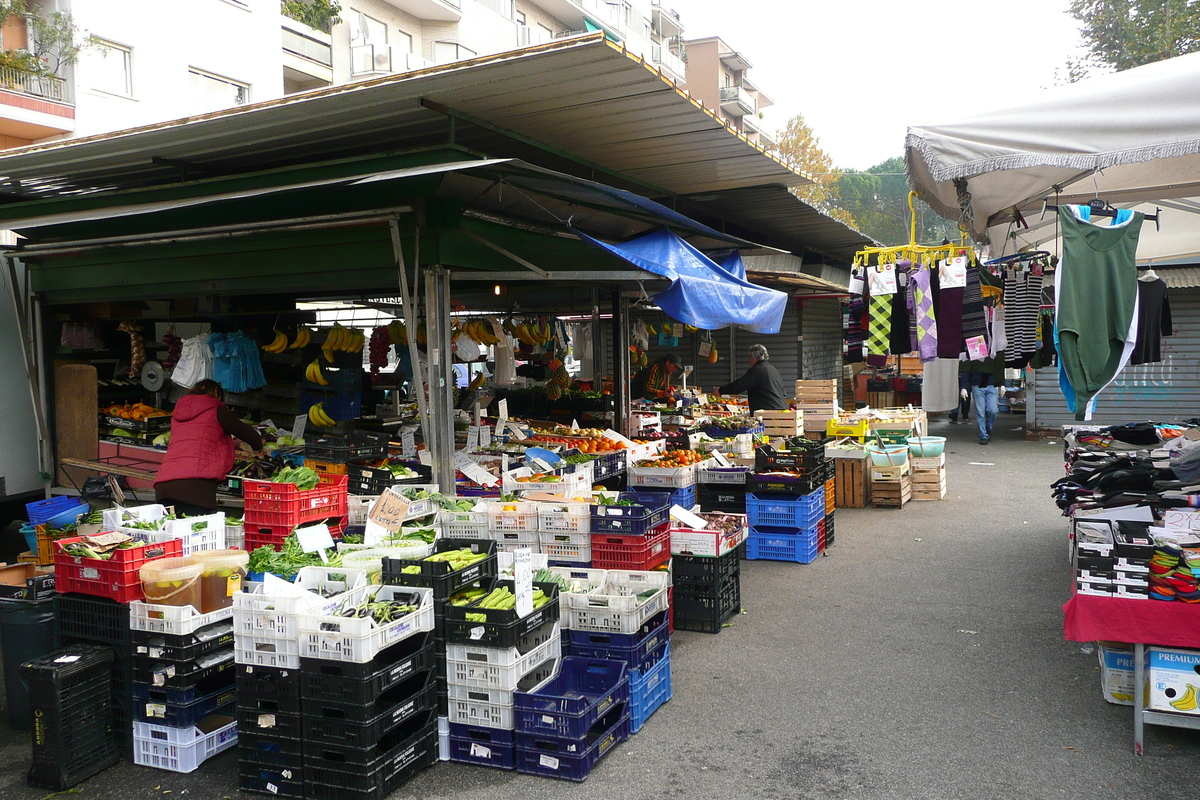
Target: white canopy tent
point(1131, 138)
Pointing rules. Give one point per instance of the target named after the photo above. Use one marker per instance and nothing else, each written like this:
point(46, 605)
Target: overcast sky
point(862, 71)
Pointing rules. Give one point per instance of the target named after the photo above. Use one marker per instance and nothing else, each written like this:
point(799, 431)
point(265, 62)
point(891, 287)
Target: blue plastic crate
point(638, 650)
point(64, 518)
point(685, 497)
point(648, 692)
point(774, 545)
point(550, 758)
point(774, 511)
point(43, 510)
point(636, 520)
point(485, 747)
point(567, 706)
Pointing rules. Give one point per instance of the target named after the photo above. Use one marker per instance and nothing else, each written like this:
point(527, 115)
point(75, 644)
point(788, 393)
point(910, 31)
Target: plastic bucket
point(224, 572)
point(926, 446)
point(888, 455)
point(172, 581)
point(26, 633)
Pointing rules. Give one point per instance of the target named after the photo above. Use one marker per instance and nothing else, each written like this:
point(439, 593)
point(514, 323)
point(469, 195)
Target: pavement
point(922, 658)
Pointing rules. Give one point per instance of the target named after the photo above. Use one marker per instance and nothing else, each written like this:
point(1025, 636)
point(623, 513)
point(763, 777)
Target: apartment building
point(717, 75)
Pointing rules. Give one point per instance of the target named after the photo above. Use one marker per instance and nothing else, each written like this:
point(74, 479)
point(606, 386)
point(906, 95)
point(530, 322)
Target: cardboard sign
point(688, 518)
point(298, 426)
point(952, 273)
point(523, 580)
point(315, 539)
point(705, 349)
point(389, 511)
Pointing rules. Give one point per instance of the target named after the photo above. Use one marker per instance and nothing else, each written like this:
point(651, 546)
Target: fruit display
point(535, 334)
point(601, 445)
point(346, 340)
point(675, 458)
point(381, 345)
point(303, 337)
point(398, 333)
point(135, 411)
point(480, 331)
point(313, 374)
point(278, 344)
point(318, 417)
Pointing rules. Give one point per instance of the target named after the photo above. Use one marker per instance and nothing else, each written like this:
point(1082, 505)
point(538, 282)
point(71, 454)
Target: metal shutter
point(822, 327)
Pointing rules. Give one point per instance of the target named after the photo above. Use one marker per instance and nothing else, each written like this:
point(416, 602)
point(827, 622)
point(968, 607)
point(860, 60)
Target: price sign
point(408, 444)
point(574, 424)
point(425, 458)
point(389, 511)
point(315, 539)
point(688, 518)
point(721, 459)
point(539, 465)
point(298, 426)
point(473, 437)
point(523, 580)
point(502, 419)
point(517, 432)
point(485, 435)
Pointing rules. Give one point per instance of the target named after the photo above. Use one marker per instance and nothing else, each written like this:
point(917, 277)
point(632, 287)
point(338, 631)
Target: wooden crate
point(881, 399)
point(928, 463)
point(782, 423)
point(891, 494)
point(929, 491)
point(851, 488)
point(890, 474)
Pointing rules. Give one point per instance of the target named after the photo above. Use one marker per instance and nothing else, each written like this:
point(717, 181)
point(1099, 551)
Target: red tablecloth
point(1169, 624)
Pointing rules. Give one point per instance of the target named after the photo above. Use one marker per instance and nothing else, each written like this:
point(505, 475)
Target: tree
point(54, 39)
point(1122, 34)
point(878, 200)
point(800, 149)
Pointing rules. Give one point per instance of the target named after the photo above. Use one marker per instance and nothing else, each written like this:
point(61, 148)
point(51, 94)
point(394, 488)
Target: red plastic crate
point(116, 578)
point(273, 536)
point(820, 536)
point(282, 505)
point(613, 551)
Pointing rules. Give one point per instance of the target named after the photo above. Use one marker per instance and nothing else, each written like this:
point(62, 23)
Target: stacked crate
point(721, 488)
point(183, 685)
point(636, 537)
point(267, 637)
point(273, 510)
point(514, 526)
point(490, 655)
point(929, 477)
point(565, 533)
point(818, 401)
point(891, 487)
point(72, 715)
point(678, 484)
point(782, 424)
point(707, 591)
point(368, 693)
point(786, 504)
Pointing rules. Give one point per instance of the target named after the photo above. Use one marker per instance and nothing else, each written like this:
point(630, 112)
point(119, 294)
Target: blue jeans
point(987, 404)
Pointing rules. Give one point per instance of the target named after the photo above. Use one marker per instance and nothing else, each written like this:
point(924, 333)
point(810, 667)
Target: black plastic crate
point(436, 575)
point(767, 458)
point(501, 627)
point(800, 484)
point(274, 781)
point(332, 781)
point(183, 646)
point(91, 619)
point(693, 588)
point(120, 685)
point(370, 479)
point(269, 723)
point(151, 704)
point(727, 497)
point(201, 676)
point(829, 529)
point(368, 755)
point(357, 446)
point(262, 749)
point(358, 726)
point(323, 681)
point(711, 570)
point(706, 614)
point(268, 689)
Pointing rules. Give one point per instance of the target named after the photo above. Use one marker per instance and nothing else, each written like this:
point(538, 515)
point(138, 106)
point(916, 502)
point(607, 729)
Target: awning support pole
point(441, 376)
point(410, 319)
point(29, 351)
point(621, 333)
point(597, 348)
point(507, 254)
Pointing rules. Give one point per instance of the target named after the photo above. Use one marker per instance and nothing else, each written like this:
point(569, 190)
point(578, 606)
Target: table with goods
point(1130, 495)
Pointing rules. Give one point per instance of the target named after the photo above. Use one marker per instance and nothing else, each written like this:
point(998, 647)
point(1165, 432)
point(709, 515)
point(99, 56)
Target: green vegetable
point(287, 561)
point(304, 478)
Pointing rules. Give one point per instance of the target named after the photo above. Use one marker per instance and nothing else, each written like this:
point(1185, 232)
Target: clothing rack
point(1102, 208)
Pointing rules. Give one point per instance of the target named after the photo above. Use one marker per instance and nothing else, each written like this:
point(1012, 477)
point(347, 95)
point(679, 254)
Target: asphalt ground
point(922, 658)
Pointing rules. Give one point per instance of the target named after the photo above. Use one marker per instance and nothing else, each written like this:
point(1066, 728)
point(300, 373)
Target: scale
point(687, 370)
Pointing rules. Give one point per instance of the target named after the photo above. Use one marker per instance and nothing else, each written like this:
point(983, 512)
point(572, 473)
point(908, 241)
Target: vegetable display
point(675, 458)
point(734, 423)
point(382, 612)
point(81, 550)
point(303, 478)
point(289, 559)
point(502, 598)
point(457, 559)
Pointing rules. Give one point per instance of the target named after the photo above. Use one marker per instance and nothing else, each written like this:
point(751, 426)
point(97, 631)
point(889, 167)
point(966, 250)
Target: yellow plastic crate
point(325, 467)
point(838, 428)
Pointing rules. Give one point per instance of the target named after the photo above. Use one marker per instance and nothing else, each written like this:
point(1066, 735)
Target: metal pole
point(597, 347)
point(441, 375)
point(621, 332)
point(410, 317)
point(29, 349)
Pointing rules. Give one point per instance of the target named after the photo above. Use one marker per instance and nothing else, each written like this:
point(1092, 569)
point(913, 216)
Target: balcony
point(665, 20)
point(307, 56)
point(736, 101)
point(529, 35)
point(754, 131)
point(34, 107)
point(371, 59)
point(671, 65)
point(441, 10)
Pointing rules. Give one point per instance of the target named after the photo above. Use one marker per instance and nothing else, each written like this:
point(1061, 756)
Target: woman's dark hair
point(208, 387)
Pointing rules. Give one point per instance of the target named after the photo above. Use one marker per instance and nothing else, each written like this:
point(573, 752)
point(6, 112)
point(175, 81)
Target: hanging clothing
point(1154, 321)
point(855, 330)
point(911, 298)
point(898, 340)
point(879, 324)
point(1096, 289)
point(975, 322)
point(1022, 296)
point(924, 318)
point(950, 320)
point(939, 388)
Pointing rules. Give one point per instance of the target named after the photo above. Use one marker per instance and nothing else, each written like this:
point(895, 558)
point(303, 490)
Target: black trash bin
point(26, 633)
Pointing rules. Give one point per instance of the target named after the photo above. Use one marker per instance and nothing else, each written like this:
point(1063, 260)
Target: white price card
point(952, 273)
point(389, 511)
point(473, 437)
point(478, 474)
point(688, 518)
point(574, 424)
point(425, 457)
point(539, 465)
point(408, 444)
point(315, 539)
point(298, 426)
point(502, 417)
point(517, 432)
point(485, 435)
point(721, 459)
point(523, 580)
point(882, 279)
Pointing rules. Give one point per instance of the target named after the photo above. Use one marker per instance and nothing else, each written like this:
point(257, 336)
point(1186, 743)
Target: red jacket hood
point(191, 406)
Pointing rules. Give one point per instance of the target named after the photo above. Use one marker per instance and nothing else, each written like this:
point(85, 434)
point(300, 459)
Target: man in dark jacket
point(762, 383)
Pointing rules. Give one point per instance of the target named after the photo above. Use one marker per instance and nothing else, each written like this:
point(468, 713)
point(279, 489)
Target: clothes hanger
point(1149, 274)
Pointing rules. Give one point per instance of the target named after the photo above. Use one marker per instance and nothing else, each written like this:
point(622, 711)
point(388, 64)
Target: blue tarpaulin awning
point(702, 293)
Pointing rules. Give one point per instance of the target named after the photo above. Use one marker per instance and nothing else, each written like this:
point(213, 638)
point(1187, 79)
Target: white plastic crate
point(566, 546)
point(708, 543)
point(487, 708)
point(615, 607)
point(113, 517)
point(357, 506)
point(708, 472)
point(235, 535)
point(181, 749)
point(497, 668)
point(508, 541)
point(515, 516)
point(197, 533)
point(464, 524)
point(504, 563)
point(662, 477)
point(266, 651)
point(256, 613)
point(572, 485)
point(173, 620)
point(358, 640)
point(570, 517)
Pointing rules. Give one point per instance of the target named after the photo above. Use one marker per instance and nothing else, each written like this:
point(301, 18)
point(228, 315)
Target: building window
point(366, 30)
point(405, 41)
point(447, 52)
point(210, 92)
point(109, 68)
point(521, 20)
point(545, 34)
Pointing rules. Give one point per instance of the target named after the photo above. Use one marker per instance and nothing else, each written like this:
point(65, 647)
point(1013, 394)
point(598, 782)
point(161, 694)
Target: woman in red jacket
point(201, 453)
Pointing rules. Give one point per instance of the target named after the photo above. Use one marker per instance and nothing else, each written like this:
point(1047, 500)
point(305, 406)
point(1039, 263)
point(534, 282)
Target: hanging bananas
point(480, 332)
point(534, 334)
point(303, 336)
point(398, 333)
point(314, 375)
point(278, 344)
point(318, 417)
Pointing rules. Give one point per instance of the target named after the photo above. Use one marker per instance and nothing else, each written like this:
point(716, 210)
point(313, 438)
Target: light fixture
point(496, 289)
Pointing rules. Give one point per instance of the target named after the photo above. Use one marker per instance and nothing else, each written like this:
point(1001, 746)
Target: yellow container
point(835, 427)
point(172, 581)
point(223, 576)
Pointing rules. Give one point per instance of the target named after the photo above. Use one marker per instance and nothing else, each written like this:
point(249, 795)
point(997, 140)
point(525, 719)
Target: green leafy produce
point(288, 560)
point(613, 501)
point(304, 478)
point(501, 599)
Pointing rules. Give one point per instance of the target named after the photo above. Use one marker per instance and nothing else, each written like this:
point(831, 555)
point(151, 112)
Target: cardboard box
point(1116, 672)
point(1173, 680)
point(23, 582)
point(1094, 589)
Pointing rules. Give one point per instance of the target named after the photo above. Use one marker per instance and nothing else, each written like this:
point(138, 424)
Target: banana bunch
point(534, 334)
point(303, 337)
point(347, 340)
point(314, 375)
point(278, 344)
point(1188, 702)
point(398, 333)
point(480, 331)
point(318, 417)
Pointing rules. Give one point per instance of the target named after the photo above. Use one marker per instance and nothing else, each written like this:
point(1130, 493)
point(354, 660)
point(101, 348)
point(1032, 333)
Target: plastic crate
point(685, 498)
point(492, 708)
point(182, 749)
point(767, 458)
point(268, 689)
point(648, 691)
point(571, 484)
point(437, 575)
point(502, 668)
point(511, 541)
point(168, 647)
point(614, 607)
point(151, 705)
point(606, 465)
point(726, 498)
point(357, 446)
point(501, 627)
point(181, 682)
point(285, 505)
point(829, 529)
point(256, 613)
point(92, 619)
point(706, 613)
point(514, 516)
point(708, 473)
point(274, 751)
point(704, 543)
point(269, 723)
point(560, 546)
point(484, 747)
point(573, 701)
point(384, 771)
point(274, 781)
point(352, 725)
point(374, 478)
point(784, 483)
point(210, 535)
point(564, 517)
point(359, 684)
point(705, 570)
point(266, 651)
point(116, 578)
point(779, 512)
point(773, 545)
point(572, 760)
point(649, 512)
point(661, 477)
point(174, 620)
point(42, 511)
point(330, 636)
point(614, 551)
point(464, 524)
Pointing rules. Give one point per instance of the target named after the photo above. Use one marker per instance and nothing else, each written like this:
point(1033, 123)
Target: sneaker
point(954, 420)
point(984, 440)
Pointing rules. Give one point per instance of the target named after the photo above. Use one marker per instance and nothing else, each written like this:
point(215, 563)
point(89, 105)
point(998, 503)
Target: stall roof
point(583, 106)
point(796, 282)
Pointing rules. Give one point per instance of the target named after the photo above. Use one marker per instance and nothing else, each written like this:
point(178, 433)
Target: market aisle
point(923, 658)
